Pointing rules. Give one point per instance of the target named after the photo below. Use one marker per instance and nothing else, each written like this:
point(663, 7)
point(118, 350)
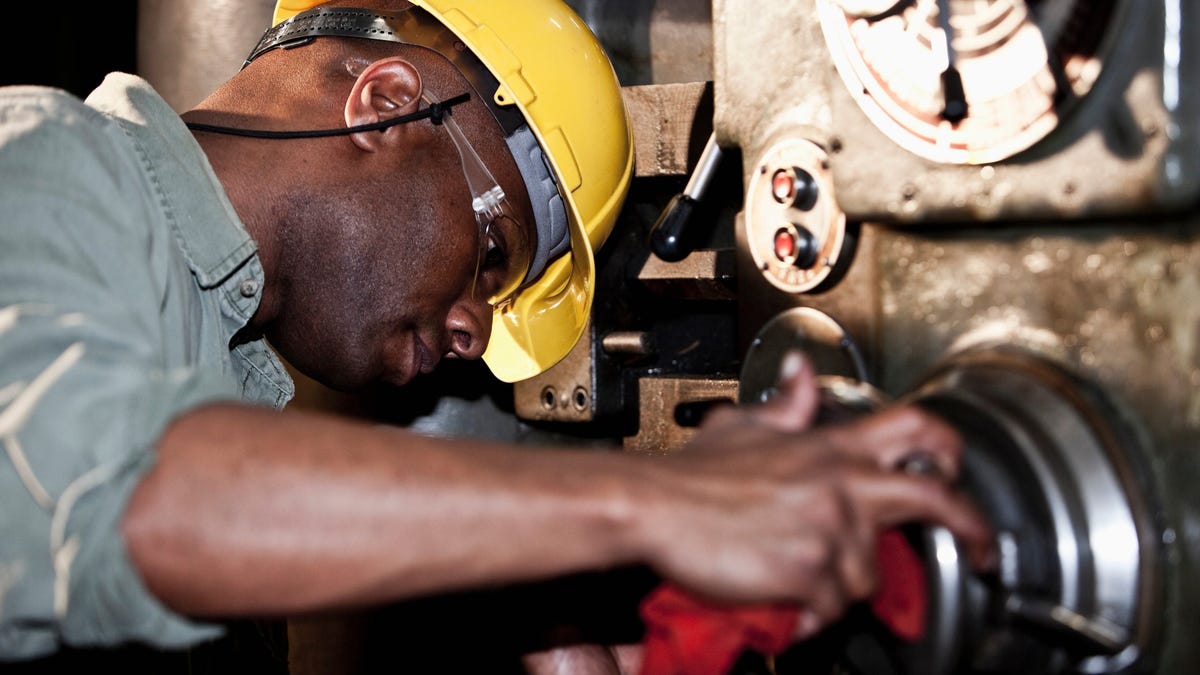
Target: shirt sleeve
point(85, 390)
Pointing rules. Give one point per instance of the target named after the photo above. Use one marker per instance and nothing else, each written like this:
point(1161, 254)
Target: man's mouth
point(424, 359)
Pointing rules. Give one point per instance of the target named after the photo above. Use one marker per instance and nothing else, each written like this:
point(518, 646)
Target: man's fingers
point(857, 565)
point(794, 405)
point(575, 659)
point(890, 499)
point(889, 437)
point(827, 601)
point(808, 624)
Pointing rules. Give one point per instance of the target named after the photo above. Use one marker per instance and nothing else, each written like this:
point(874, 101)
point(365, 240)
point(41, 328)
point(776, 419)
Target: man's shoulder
point(48, 134)
point(71, 184)
point(27, 110)
point(51, 100)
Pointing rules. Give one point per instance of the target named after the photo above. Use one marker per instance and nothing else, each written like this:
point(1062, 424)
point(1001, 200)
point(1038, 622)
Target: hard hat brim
point(545, 320)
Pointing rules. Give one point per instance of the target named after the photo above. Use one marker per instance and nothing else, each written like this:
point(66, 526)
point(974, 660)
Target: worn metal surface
point(564, 392)
point(796, 235)
point(770, 72)
point(704, 274)
point(1064, 481)
point(823, 340)
point(1129, 149)
point(668, 122)
point(1115, 302)
point(671, 407)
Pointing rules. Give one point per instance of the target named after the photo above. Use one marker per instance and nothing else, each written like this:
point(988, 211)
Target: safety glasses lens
point(505, 243)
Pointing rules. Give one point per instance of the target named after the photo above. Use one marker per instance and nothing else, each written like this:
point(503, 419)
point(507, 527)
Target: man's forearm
point(256, 512)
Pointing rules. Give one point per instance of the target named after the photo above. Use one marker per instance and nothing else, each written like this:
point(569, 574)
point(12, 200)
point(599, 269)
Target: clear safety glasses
point(505, 243)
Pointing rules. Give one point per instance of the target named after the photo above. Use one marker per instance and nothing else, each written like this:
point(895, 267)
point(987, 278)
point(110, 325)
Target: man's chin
point(340, 380)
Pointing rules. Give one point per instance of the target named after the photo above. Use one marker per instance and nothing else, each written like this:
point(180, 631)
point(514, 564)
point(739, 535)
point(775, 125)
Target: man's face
point(391, 285)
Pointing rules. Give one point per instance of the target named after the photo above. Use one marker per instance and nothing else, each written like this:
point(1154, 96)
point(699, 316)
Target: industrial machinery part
point(187, 49)
point(1074, 108)
point(966, 82)
point(1064, 481)
point(794, 229)
point(669, 237)
point(822, 339)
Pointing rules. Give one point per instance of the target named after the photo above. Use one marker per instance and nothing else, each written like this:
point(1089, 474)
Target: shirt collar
point(212, 236)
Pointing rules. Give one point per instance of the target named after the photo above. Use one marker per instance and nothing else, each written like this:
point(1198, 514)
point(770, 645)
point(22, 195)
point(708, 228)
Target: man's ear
point(385, 89)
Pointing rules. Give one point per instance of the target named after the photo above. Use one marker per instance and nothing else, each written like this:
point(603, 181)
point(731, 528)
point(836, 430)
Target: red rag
point(686, 636)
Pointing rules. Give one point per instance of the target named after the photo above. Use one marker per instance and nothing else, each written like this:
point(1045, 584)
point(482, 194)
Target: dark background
point(71, 46)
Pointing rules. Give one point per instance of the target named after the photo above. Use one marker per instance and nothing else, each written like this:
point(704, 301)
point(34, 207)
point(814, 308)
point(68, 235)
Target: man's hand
point(773, 510)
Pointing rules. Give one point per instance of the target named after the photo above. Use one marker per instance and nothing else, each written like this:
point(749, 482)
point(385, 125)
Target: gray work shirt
point(124, 275)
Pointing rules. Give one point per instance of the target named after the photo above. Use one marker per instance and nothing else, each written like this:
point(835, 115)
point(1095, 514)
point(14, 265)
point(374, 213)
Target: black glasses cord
point(435, 112)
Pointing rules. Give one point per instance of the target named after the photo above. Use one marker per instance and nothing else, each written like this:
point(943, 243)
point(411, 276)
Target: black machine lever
point(668, 237)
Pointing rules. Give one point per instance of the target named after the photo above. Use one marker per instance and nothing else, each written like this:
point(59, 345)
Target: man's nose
point(469, 324)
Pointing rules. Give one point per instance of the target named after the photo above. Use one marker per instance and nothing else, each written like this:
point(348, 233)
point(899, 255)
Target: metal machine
point(985, 206)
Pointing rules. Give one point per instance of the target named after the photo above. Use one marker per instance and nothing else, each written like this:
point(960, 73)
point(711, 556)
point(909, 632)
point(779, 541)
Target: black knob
point(795, 187)
point(667, 236)
point(796, 245)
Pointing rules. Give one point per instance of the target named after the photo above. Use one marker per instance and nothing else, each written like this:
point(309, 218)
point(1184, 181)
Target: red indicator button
point(785, 245)
point(783, 186)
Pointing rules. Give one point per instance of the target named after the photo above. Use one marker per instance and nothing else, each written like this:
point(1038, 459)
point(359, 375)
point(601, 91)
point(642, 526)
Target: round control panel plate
point(795, 229)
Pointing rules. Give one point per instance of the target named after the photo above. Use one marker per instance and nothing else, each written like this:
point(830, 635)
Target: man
point(153, 490)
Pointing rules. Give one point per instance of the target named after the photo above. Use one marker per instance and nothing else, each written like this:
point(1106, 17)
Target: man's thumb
point(797, 397)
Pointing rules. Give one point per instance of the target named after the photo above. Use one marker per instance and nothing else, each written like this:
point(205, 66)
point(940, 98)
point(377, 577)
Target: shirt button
point(249, 288)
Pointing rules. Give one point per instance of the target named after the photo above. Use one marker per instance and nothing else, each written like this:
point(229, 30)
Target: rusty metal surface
point(707, 273)
point(659, 432)
point(562, 393)
point(669, 122)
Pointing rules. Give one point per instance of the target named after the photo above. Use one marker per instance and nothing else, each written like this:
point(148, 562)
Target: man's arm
point(249, 511)
point(255, 512)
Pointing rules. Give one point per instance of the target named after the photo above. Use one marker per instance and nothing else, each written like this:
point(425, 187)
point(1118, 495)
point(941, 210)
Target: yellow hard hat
point(550, 66)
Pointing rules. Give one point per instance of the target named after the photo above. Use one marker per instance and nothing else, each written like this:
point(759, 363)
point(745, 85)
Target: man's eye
point(494, 256)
